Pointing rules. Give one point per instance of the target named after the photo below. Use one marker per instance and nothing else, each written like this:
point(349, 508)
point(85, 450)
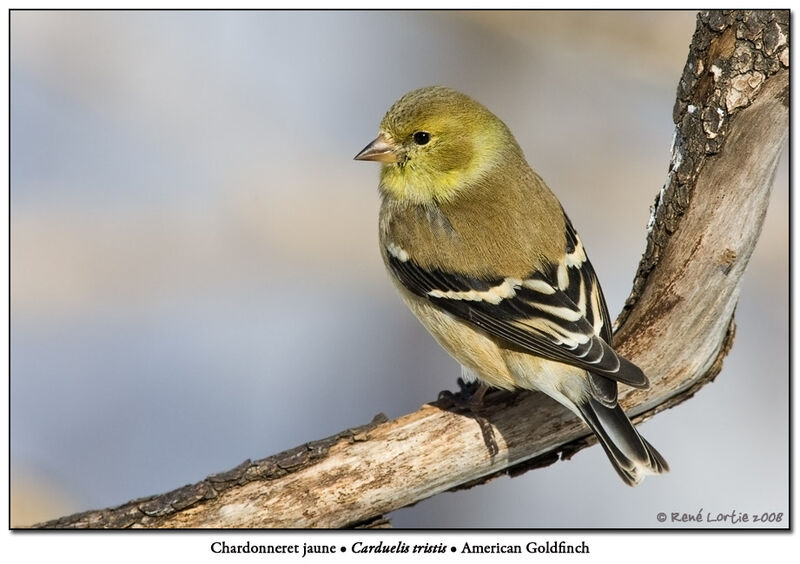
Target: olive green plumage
point(483, 254)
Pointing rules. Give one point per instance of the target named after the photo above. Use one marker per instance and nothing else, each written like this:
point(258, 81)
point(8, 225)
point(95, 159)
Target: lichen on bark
point(732, 55)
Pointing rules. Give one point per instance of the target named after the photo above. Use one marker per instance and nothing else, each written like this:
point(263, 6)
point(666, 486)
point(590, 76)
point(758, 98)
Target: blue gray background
point(195, 274)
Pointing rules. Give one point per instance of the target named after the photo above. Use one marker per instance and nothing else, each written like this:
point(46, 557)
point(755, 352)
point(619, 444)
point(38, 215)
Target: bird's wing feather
point(603, 389)
point(559, 315)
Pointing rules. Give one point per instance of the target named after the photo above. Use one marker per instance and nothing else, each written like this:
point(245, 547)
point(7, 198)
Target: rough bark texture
point(731, 117)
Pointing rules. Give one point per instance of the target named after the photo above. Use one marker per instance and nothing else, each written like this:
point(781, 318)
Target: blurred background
point(194, 267)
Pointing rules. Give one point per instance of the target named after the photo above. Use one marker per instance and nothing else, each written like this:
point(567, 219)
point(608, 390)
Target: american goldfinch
point(484, 255)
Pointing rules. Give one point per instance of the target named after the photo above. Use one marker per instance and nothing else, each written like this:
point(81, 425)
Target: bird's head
point(435, 143)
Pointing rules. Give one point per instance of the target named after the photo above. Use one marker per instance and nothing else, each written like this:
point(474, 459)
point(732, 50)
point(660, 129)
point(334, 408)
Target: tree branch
point(731, 117)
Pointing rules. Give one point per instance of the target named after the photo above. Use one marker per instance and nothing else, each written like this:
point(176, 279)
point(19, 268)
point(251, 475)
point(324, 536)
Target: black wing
point(559, 315)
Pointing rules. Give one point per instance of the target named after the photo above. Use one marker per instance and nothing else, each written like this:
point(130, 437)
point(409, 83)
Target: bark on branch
point(731, 117)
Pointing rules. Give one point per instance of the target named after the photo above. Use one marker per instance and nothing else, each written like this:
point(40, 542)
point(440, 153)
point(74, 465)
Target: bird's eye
point(422, 137)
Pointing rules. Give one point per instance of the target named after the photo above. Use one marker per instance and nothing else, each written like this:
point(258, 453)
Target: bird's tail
point(632, 456)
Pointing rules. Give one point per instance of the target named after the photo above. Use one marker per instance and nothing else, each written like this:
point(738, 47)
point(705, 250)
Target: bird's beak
point(381, 150)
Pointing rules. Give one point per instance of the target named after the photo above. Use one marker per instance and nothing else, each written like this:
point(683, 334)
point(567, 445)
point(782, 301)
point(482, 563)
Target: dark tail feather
point(632, 456)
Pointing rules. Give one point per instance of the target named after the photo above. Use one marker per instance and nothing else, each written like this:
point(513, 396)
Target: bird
point(484, 255)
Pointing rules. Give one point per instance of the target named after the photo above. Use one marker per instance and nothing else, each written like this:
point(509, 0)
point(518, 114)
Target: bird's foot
point(470, 399)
